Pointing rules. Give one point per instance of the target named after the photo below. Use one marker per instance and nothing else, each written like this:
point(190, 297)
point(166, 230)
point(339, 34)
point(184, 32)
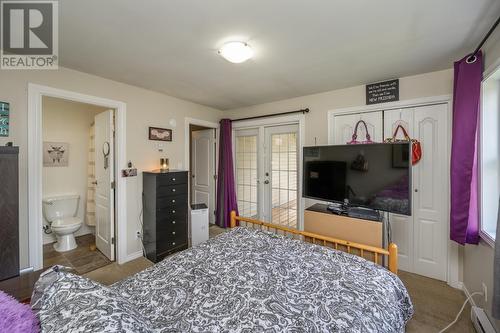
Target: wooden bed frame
point(366, 251)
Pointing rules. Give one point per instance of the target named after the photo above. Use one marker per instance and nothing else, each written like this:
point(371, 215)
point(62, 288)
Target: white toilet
point(60, 212)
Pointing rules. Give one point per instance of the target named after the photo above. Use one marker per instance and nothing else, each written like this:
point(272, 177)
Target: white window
point(489, 156)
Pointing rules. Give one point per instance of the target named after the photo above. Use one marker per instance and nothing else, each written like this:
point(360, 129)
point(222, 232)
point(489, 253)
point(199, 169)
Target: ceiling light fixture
point(236, 52)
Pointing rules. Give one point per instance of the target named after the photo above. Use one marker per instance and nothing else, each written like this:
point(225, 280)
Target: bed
point(245, 280)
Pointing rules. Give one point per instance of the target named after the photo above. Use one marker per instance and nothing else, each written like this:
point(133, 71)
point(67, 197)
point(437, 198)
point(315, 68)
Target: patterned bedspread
point(253, 281)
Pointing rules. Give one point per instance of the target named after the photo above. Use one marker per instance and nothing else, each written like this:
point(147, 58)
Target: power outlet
point(485, 292)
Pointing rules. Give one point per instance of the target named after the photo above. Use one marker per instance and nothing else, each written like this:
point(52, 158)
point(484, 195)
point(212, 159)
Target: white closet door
point(401, 225)
point(430, 192)
point(344, 127)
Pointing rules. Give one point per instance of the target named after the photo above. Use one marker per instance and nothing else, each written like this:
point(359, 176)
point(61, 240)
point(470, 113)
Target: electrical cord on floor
point(461, 310)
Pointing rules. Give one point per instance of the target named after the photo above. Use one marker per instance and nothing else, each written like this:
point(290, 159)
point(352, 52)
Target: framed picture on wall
point(55, 154)
point(4, 118)
point(160, 134)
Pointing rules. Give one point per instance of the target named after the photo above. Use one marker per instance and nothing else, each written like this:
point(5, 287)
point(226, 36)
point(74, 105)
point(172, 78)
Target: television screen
point(376, 176)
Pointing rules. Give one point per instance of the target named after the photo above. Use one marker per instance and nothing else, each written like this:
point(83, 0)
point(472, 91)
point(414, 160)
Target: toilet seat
point(66, 222)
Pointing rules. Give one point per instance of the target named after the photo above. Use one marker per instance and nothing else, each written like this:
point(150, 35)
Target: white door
point(430, 193)
point(281, 158)
point(422, 238)
point(401, 225)
point(104, 176)
point(203, 170)
point(345, 124)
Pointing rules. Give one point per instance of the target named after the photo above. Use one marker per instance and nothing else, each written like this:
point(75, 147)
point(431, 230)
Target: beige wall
point(478, 259)
point(66, 121)
point(144, 108)
point(411, 87)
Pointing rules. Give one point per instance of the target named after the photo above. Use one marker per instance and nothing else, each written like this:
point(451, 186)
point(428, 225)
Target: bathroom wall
point(66, 121)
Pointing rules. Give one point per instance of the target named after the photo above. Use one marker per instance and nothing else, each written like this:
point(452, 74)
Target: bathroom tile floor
point(82, 259)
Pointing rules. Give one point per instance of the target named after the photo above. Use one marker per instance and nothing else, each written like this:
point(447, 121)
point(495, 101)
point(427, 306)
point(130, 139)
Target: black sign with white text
point(382, 92)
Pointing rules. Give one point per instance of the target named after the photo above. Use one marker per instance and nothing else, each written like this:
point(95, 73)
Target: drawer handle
point(173, 212)
point(173, 232)
point(173, 243)
point(173, 179)
point(173, 222)
point(173, 200)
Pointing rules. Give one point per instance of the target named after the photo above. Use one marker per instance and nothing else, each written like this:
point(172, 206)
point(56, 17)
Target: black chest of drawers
point(165, 222)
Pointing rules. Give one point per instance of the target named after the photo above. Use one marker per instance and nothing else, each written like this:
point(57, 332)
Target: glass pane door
point(246, 158)
point(281, 175)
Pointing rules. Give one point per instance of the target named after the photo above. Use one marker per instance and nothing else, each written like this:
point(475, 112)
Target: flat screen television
point(376, 176)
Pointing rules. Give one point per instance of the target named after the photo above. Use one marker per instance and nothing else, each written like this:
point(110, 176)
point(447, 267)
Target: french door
point(267, 171)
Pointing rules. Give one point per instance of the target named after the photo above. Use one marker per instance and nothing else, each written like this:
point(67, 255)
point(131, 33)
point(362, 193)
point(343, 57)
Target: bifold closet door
point(345, 124)
point(401, 225)
point(422, 237)
point(430, 204)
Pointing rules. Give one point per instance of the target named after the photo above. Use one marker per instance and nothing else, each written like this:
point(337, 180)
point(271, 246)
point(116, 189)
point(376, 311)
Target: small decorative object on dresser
point(9, 210)
point(164, 165)
point(55, 154)
point(165, 204)
point(160, 134)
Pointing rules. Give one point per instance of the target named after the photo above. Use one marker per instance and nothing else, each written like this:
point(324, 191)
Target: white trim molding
point(35, 217)
point(199, 122)
point(134, 255)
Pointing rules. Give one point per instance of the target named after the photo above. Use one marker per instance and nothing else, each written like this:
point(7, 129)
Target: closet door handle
point(416, 190)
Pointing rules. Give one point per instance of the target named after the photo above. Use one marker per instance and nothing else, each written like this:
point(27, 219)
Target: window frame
point(494, 74)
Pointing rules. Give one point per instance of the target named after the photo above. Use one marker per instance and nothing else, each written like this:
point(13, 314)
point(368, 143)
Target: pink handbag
point(354, 138)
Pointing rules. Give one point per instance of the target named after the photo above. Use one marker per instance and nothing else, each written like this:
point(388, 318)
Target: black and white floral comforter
point(253, 281)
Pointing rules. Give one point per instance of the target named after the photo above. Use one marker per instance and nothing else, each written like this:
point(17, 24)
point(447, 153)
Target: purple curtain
point(464, 217)
point(226, 192)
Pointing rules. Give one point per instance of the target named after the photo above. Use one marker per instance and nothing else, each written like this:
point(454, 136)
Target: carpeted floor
point(436, 305)
point(113, 272)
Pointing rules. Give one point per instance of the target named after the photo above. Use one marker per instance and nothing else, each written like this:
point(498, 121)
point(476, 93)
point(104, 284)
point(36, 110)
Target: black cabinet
point(9, 212)
point(165, 222)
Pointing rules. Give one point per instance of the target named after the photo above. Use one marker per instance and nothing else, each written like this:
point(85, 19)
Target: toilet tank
point(57, 207)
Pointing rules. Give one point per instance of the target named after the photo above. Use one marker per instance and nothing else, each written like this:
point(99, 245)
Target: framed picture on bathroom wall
point(4, 118)
point(55, 154)
point(160, 134)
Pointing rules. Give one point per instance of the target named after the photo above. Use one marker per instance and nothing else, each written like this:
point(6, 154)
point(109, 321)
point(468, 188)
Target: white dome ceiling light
point(236, 52)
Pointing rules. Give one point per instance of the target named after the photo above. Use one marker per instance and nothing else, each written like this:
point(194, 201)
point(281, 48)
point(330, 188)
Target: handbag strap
point(355, 134)
point(405, 133)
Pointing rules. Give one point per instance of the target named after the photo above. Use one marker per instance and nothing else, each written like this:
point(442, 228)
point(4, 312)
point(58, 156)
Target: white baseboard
point(25, 270)
point(456, 284)
point(467, 294)
point(133, 256)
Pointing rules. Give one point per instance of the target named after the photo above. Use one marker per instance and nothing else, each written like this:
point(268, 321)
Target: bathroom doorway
point(78, 181)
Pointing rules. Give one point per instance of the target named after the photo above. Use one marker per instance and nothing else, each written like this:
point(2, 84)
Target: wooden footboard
point(354, 248)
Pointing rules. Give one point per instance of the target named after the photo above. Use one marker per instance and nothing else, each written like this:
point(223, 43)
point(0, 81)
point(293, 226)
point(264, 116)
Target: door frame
point(454, 270)
point(35, 141)
point(187, 151)
point(278, 121)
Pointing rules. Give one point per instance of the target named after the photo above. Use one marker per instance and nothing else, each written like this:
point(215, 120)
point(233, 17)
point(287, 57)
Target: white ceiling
point(302, 47)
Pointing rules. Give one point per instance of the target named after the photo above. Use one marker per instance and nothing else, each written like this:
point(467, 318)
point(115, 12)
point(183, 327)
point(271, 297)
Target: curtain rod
point(303, 111)
point(473, 54)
